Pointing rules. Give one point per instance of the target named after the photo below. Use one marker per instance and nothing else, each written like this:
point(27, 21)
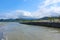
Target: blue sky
point(29, 8)
point(28, 5)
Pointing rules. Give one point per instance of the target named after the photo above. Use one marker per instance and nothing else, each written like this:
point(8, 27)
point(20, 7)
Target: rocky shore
point(47, 24)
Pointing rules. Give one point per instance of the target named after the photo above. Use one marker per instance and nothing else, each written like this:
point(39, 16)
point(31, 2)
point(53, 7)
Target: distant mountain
point(27, 18)
point(46, 18)
point(54, 15)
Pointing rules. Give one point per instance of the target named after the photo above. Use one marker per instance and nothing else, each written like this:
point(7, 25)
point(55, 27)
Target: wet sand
point(16, 31)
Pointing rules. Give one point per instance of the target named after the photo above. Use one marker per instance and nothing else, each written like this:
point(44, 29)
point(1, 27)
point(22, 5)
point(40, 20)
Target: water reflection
point(16, 31)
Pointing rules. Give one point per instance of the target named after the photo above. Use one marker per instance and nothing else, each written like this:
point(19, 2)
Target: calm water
point(16, 31)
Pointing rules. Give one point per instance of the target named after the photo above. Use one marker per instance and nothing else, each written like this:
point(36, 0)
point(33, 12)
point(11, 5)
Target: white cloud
point(16, 14)
point(47, 8)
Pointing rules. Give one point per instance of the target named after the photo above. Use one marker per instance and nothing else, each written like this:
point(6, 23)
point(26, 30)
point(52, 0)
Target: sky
point(29, 8)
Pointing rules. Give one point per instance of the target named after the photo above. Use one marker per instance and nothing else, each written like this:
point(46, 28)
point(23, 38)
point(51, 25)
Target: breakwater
point(47, 24)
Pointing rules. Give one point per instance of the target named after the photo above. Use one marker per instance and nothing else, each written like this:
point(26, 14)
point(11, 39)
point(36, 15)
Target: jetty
point(47, 24)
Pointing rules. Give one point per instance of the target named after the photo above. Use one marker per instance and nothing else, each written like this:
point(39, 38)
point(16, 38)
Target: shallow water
point(16, 31)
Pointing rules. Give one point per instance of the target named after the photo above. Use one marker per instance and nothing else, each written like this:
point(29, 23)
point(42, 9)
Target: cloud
point(15, 14)
point(47, 8)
